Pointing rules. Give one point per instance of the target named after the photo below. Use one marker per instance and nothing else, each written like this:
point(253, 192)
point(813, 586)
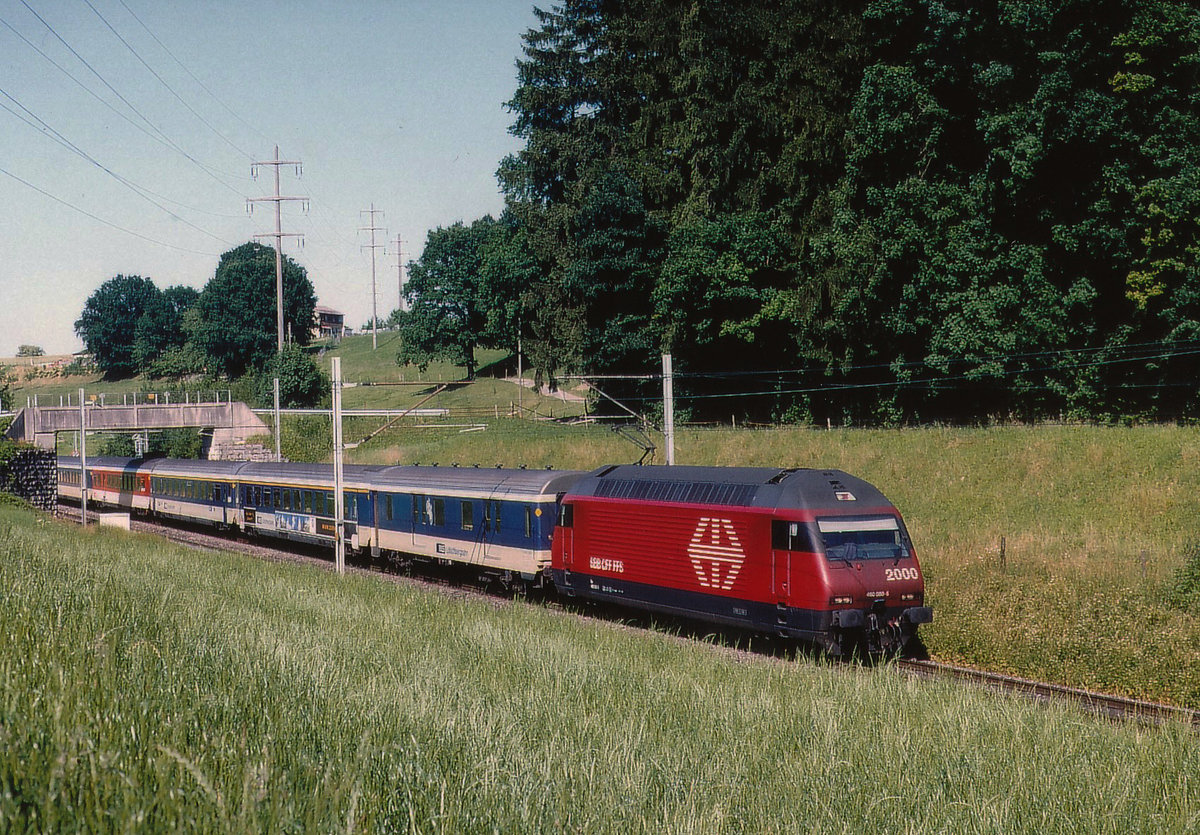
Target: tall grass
point(1096, 524)
point(143, 686)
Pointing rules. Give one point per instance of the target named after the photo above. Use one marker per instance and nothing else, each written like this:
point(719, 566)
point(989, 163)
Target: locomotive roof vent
point(781, 475)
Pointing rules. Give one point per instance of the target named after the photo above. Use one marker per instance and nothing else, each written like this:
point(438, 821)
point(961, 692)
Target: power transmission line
point(164, 83)
point(58, 137)
point(99, 219)
point(170, 142)
point(193, 76)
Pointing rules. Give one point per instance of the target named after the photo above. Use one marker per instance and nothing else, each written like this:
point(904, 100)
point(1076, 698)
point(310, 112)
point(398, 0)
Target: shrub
point(301, 382)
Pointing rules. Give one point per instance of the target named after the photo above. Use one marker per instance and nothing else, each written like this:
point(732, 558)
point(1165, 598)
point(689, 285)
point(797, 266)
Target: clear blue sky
point(399, 104)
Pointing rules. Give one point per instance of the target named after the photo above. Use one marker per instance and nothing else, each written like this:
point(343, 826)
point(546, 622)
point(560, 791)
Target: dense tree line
point(903, 209)
point(226, 330)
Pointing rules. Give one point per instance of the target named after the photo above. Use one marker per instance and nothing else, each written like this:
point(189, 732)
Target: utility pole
point(279, 234)
point(400, 272)
point(278, 453)
point(339, 487)
point(83, 485)
point(371, 212)
point(669, 408)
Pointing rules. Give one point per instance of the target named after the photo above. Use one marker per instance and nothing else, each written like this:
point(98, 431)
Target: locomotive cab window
point(566, 515)
point(863, 538)
point(787, 535)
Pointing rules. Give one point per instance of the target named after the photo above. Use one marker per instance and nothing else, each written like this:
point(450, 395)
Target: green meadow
point(1066, 553)
point(1100, 581)
point(148, 687)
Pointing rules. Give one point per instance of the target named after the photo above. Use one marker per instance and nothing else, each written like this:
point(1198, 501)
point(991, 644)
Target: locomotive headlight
point(840, 601)
point(909, 596)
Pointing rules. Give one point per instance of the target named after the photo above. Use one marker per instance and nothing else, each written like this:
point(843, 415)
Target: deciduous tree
point(109, 321)
point(237, 319)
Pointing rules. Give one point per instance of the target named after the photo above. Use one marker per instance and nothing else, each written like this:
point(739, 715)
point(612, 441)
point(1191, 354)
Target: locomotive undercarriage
point(874, 632)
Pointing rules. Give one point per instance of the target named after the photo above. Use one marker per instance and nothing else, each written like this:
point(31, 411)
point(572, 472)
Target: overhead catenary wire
point(776, 372)
point(1167, 351)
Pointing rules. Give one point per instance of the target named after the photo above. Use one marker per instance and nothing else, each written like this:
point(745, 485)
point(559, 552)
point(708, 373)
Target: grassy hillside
point(365, 366)
point(156, 688)
point(1097, 524)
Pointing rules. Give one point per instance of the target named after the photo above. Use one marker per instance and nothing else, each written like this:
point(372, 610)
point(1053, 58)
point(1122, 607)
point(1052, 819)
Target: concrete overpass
point(228, 421)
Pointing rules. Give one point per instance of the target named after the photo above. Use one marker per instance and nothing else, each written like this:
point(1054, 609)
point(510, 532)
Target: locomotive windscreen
point(863, 538)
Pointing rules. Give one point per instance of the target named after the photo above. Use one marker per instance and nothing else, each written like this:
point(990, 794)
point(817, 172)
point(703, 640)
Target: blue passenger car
point(497, 519)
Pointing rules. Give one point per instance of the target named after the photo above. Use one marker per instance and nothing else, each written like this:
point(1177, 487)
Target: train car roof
point(764, 487)
point(108, 462)
point(447, 480)
point(193, 467)
point(493, 481)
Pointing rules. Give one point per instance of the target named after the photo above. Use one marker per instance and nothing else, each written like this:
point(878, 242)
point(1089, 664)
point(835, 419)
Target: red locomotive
point(812, 554)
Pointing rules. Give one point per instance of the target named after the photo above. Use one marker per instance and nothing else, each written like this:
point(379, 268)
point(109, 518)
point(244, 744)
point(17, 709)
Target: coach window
point(468, 516)
point(308, 505)
point(439, 512)
point(416, 508)
point(491, 516)
point(528, 522)
point(387, 507)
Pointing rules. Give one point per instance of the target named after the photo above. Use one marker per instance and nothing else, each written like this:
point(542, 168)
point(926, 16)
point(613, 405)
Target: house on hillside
point(330, 323)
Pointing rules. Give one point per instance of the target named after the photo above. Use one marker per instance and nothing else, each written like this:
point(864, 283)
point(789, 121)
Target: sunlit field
point(150, 687)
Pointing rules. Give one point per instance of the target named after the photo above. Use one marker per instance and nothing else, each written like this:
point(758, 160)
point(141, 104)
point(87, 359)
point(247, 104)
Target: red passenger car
point(812, 554)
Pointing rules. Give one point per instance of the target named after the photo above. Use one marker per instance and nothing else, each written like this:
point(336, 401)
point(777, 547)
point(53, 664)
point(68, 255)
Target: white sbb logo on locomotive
point(716, 553)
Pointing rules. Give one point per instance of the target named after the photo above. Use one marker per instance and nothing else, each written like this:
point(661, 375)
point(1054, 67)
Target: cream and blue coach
point(501, 521)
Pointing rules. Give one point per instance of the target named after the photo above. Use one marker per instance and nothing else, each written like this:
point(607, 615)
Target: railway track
point(1112, 707)
point(1116, 708)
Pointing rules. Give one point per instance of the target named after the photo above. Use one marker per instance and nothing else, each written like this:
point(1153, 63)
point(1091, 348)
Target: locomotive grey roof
point(733, 486)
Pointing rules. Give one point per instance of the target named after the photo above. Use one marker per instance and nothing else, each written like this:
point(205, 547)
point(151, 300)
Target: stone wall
point(31, 474)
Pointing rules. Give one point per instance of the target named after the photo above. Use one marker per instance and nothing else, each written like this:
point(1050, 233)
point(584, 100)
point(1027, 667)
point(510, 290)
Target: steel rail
point(1104, 704)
